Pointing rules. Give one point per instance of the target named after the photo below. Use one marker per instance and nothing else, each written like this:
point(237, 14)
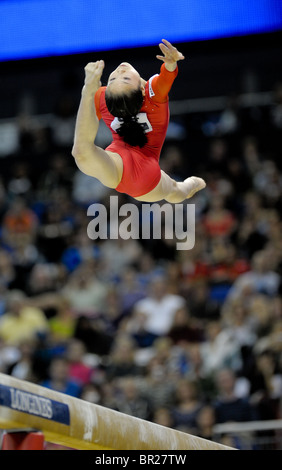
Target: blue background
point(38, 28)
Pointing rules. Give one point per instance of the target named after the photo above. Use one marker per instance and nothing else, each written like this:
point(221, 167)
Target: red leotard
point(141, 170)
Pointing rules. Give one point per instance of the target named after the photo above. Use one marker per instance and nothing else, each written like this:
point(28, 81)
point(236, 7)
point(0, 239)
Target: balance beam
point(78, 424)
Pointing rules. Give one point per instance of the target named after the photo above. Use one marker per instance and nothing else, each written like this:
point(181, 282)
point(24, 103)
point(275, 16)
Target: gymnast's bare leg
point(173, 191)
point(92, 160)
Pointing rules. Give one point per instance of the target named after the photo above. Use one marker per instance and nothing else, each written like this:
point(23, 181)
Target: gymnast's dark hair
point(126, 107)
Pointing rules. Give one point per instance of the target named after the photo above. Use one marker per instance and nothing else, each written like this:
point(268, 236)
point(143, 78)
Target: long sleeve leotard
point(141, 170)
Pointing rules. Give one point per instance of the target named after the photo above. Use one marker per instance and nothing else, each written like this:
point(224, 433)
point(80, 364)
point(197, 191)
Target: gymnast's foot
point(194, 184)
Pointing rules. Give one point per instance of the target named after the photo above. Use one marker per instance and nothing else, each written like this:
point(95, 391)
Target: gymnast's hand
point(93, 73)
point(170, 55)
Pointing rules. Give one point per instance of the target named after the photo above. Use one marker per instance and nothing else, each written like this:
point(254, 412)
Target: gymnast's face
point(124, 79)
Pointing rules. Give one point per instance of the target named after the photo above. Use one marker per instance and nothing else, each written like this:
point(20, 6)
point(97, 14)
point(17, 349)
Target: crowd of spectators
point(184, 338)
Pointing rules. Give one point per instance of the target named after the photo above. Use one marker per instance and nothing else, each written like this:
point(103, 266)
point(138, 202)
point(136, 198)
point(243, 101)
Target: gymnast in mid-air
point(137, 113)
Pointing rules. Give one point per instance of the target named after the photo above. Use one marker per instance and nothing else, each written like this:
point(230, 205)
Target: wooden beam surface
point(78, 424)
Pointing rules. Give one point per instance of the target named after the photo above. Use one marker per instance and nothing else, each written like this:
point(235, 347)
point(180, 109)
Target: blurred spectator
point(121, 359)
point(24, 257)
point(95, 339)
point(113, 317)
point(55, 228)
point(79, 370)
point(62, 324)
point(239, 321)
point(59, 379)
point(226, 265)
point(22, 321)
point(268, 183)
point(163, 417)
point(220, 349)
point(266, 385)
point(205, 421)
point(172, 161)
point(109, 393)
point(187, 406)
point(174, 277)
point(130, 289)
point(248, 238)
point(23, 368)
point(7, 270)
point(164, 357)
point(147, 269)
point(43, 278)
point(156, 387)
point(217, 156)
point(229, 407)
point(271, 339)
point(131, 401)
point(91, 393)
point(80, 250)
point(85, 292)
point(20, 183)
point(19, 230)
point(238, 177)
point(260, 279)
point(230, 118)
point(9, 355)
point(259, 307)
point(136, 325)
point(265, 393)
point(19, 221)
point(117, 254)
point(58, 175)
point(197, 303)
point(158, 308)
point(218, 220)
point(87, 190)
point(251, 155)
point(194, 264)
point(184, 328)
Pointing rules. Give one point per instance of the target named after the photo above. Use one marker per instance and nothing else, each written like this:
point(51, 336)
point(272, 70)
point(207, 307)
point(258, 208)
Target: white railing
point(253, 435)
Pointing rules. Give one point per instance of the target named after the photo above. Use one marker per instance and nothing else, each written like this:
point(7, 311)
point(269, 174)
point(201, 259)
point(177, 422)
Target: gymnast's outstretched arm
point(170, 55)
